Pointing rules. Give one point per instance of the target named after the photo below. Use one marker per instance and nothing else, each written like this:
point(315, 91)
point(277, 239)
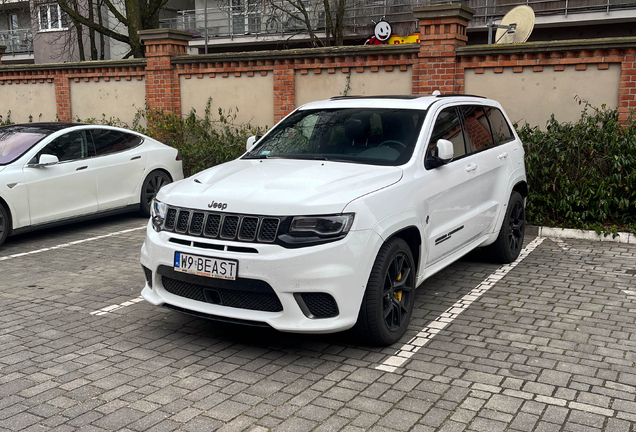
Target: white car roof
point(396, 102)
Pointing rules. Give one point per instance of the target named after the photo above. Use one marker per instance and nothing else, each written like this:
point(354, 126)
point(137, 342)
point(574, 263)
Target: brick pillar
point(163, 92)
point(63, 98)
point(442, 30)
point(284, 88)
point(2, 50)
point(627, 86)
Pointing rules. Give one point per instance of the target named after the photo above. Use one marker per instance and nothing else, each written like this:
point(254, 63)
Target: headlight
point(158, 212)
point(314, 230)
point(322, 225)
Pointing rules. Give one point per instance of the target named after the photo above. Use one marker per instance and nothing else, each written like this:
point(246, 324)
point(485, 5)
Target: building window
point(52, 17)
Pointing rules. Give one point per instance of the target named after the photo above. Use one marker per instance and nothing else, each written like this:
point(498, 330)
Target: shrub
point(583, 174)
point(202, 142)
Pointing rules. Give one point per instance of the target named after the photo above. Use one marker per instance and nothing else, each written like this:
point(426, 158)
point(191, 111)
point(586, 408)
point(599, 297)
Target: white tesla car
point(56, 173)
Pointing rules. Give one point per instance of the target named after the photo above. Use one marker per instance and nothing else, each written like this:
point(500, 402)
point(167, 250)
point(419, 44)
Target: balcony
point(17, 41)
point(254, 20)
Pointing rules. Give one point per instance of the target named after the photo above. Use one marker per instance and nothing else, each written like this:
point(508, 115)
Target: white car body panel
point(384, 199)
point(59, 192)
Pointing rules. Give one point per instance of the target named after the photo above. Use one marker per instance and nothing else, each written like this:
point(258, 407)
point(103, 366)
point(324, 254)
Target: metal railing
point(17, 41)
point(259, 18)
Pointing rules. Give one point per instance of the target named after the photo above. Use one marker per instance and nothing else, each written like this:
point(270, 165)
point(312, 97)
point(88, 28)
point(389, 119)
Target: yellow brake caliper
point(398, 294)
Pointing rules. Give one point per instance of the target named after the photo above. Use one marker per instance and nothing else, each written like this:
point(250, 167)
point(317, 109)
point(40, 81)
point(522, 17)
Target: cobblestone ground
point(550, 347)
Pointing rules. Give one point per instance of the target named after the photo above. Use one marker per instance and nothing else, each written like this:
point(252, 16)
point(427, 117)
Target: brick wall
point(440, 62)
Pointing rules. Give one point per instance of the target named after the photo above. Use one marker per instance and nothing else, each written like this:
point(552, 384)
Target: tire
point(509, 242)
point(155, 181)
point(385, 312)
point(5, 224)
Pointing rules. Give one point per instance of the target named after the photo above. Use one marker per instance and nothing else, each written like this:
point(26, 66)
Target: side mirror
point(251, 141)
point(45, 160)
point(445, 150)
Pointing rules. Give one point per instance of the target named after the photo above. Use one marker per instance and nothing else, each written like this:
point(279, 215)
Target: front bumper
point(340, 269)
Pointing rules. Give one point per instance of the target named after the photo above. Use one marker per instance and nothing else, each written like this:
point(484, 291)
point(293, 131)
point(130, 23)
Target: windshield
point(15, 141)
point(377, 136)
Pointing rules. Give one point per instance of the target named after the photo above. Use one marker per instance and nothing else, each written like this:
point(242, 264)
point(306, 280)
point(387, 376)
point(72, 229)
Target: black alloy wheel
point(153, 183)
point(398, 292)
point(4, 224)
point(509, 242)
point(388, 301)
point(516, 228)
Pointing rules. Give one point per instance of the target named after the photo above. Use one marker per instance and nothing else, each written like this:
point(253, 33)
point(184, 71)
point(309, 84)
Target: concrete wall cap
point(446, 10)
point(76, 65)
point(549, 46)
point(361, 50)
point(159, 34)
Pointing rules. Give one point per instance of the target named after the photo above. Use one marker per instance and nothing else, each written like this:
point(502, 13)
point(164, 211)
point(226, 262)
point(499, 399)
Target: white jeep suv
point(333, 218)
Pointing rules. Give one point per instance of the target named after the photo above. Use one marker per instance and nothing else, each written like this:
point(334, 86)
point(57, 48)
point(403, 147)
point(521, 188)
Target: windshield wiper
point(258, 157)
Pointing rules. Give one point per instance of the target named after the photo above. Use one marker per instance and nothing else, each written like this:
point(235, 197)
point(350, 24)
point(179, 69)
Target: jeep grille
point(247, 228)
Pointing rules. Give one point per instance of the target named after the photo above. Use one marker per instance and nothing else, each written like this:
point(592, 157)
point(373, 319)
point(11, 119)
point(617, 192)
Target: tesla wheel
point(4, 224)
point(155, 181)
point(508, 245)
point(388, 300)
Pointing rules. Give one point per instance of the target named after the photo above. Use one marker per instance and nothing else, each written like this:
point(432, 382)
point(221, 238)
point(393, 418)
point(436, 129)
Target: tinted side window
point(500, 128)
point(447, 126)
point(68, 147)
point(476, 129)
point(109, 141)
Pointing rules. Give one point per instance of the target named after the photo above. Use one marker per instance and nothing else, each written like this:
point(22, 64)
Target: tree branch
point(88, 23)
point(111, 7)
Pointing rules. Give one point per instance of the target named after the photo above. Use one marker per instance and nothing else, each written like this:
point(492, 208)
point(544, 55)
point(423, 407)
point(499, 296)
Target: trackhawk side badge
point(447, 236)
point(216, 205)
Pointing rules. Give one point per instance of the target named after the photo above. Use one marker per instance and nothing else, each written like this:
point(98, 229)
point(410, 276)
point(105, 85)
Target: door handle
point(135, 157)
point(471, 167)
point(82, 168)
point(503, 156)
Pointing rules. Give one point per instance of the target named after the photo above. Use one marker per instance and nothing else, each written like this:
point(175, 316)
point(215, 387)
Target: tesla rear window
point(14, 142)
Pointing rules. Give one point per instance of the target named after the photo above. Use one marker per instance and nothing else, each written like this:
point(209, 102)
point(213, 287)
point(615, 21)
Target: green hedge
point(583, 174)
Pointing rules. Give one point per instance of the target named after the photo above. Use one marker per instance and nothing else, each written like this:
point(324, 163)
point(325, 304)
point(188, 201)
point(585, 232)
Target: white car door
point(448, 192)
point(119, 165)
point(66, 189)
point(492, 162)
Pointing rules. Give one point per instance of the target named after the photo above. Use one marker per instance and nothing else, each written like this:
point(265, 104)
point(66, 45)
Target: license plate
point(205, 266)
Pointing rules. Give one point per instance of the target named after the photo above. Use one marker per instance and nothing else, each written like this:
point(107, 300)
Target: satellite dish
point(516, 26)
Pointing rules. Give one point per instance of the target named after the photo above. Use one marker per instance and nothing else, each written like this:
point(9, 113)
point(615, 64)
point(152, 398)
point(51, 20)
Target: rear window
point(500, 128)
point(15, 141)
point(110, 141)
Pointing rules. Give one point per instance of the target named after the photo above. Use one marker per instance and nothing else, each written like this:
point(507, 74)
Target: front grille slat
point(237, 227)
point(230, 226)
point(248, 228)
point(196, 224)
point(182, 221)
point(212, 224)
point(269, 228)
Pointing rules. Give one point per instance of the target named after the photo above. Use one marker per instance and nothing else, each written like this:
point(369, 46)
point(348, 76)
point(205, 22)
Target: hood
point(281, 187)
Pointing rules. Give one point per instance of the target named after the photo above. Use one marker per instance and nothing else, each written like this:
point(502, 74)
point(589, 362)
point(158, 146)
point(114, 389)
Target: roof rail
point(459, 95)
point(378, 97)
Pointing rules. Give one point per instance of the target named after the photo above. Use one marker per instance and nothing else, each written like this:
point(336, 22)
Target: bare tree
point(135, 15)
point(307, 13)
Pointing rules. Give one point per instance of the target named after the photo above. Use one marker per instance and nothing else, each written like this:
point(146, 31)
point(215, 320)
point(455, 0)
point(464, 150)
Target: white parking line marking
point(428, 333)
point(73, 243)
point(113, 308)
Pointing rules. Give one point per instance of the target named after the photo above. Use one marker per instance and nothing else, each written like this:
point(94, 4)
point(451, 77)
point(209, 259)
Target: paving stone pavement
point(550, 347)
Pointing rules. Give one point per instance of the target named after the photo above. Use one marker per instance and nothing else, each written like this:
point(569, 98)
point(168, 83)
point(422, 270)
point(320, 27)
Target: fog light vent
point(317, 305)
